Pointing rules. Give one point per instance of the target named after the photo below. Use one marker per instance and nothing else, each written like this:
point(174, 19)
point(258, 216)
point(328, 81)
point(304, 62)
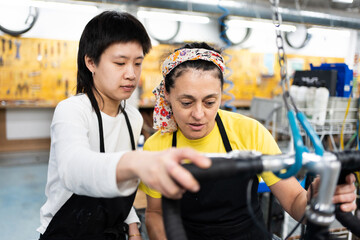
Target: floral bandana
point(163, 116)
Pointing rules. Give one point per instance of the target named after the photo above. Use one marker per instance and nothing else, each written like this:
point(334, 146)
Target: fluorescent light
point(328, 31)
point(343, 1)
point(64, 6)
point(167, 16)
point(260, 25)
point(15, 3)
point(51, 5)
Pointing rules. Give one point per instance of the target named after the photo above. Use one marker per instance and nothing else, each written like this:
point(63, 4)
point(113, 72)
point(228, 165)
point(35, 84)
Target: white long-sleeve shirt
point(76, 164)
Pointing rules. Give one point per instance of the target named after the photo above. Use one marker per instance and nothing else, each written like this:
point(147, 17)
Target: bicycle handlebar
point(236, 162)
point(350, 160)
point(320, 212)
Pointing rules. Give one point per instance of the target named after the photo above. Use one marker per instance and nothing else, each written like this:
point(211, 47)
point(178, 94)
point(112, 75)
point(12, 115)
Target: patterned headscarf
point(163, 116)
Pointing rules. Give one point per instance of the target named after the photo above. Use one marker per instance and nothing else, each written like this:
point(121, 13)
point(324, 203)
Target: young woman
point(188, 115)
point(93, 173)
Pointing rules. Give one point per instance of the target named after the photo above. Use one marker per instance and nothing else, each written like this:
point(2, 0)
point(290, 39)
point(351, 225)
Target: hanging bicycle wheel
point(22, 25)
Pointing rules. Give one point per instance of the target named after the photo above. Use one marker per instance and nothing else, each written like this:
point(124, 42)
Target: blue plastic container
point(344, 77)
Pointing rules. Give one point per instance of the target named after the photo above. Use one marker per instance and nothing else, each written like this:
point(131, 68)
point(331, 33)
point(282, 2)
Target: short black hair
point(103, 30)
point(195, 64)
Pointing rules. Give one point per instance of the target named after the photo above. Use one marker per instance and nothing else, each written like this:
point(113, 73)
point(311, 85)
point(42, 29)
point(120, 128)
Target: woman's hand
point(162, 171)
point(344, 193)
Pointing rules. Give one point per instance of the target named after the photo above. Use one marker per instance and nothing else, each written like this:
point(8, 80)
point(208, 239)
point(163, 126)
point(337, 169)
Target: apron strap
point(98, 114)
point(223, 134)
point(101, 131)
point(174, 140)
point(130, 130)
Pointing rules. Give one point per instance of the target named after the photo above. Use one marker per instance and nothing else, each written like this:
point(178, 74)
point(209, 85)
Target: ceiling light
point(168, 16)
point(65, 6)
point(329, 31)
point(15, 3)
point(259, 25)
point(343, 1)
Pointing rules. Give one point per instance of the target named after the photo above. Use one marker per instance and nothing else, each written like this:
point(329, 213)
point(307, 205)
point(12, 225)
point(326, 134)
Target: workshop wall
point(55, 36)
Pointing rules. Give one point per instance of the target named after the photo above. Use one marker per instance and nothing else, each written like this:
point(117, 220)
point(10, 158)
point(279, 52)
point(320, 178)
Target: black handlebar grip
point(224, 167)
point(348, 220)
point(350, 159)
point(350, 162)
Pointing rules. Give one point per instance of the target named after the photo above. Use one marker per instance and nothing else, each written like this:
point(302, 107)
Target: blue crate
point(344, 77)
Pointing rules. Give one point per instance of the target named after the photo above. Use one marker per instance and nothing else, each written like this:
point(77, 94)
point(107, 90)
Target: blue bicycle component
point(319, 149)
point(299, 146)
point(298, 142)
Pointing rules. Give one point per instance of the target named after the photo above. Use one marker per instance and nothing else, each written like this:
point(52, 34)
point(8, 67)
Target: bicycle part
point(296, 226)
point(314, 231)
point(223, 165)
point(298, 145)
point(227, 165)
point(303, 44)
point(34, 17)
point(321, 209)
point(350, 159)
point(319, 149)
point(350, 162)
point(348, 220)
point(225, 37)
point(161, 39)
point(320, 212)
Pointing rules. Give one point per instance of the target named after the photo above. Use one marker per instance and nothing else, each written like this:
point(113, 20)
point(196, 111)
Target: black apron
point(90, 218)
point(218, 211)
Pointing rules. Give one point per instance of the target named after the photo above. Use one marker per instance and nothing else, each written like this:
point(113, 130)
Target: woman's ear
point(89, 62)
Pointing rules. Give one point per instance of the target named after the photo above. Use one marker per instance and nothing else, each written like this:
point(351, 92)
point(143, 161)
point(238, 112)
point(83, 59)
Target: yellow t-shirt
point(244, 133)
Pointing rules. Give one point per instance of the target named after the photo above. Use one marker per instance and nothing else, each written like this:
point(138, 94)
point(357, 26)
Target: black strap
point(98, 114)
point(130, 130)
point(101, 131)
point(223, 134)
point(174, 139)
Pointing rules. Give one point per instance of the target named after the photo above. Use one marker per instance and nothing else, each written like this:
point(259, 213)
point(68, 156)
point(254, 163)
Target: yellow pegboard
point(44, 70)
point(37, 70)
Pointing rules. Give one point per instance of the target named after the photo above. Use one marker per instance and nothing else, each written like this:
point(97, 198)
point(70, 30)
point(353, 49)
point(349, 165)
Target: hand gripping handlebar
point(320, 213)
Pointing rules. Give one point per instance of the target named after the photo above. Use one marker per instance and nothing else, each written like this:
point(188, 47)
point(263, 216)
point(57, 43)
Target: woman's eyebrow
point(186, 96)
point(214, 95)
point(126, 57)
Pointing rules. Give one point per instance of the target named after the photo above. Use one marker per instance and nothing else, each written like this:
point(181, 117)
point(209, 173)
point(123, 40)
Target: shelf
point(26, 104)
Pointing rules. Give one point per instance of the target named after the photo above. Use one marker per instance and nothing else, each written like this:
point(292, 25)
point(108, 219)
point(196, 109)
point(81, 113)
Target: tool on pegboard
point(223, 28)
point(2, 52)
point(17, 44)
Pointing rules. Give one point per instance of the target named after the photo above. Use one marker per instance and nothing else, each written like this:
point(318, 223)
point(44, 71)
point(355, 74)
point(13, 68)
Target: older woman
point(188, 115)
